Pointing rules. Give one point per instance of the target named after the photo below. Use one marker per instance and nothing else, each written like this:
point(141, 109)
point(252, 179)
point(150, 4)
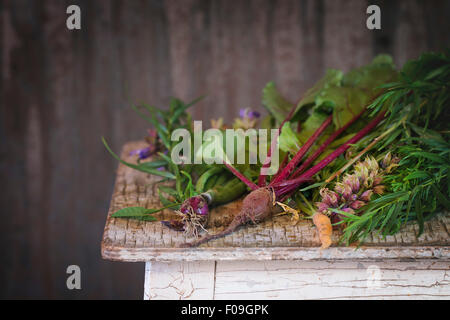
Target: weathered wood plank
point(292, 280)
point(332, 280)
point(276, 238)
point(181, 281)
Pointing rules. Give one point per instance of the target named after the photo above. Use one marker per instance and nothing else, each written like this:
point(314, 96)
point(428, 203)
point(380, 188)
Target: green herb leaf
point(140, 167)
point(135, 212)
point(153, 164)
point(165, 201)
point(180, 110)
point(419, 215)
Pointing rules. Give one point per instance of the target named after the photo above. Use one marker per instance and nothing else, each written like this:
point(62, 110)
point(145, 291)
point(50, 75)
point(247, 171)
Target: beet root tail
point(232, 227)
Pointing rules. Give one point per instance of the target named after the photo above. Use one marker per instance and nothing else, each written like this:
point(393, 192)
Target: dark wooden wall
point(61, 90)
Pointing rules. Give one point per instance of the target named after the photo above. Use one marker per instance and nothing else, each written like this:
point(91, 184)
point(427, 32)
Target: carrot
point(324, 228)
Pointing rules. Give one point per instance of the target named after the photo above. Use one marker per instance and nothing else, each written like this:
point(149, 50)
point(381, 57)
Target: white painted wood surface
point(269, 280)
point(174, 280)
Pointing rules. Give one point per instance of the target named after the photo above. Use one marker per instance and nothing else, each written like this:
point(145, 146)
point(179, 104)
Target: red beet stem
point(324, 145)
point(294, 183)
point(283, 164)
point(298, 157)
point(241, 177)
point(266, 164)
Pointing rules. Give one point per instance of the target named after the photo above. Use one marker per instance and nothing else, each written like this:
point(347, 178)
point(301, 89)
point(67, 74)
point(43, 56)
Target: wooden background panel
point(61, 90)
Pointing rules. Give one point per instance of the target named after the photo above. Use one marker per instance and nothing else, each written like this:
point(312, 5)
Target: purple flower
point(254, 114)
point(357, 204)
point(329, 197)
point(366, 195)
point(247, 113)
point(352, 181)
point(153, 145)
point(344, 189)
point(323, 207)
point(142, 153)
point(356, 190)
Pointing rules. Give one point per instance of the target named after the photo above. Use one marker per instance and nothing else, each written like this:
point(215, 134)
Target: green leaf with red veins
point(275, 103)
point(380, 71)
point(331, 79)
point(345, 103)
point(279, 107)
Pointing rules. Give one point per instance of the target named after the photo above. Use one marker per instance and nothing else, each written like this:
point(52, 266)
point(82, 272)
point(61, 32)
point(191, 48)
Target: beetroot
point(193, 215)
point(257, 206)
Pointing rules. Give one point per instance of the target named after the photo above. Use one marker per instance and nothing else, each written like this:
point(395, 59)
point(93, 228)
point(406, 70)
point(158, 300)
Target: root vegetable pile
point(260, 203)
